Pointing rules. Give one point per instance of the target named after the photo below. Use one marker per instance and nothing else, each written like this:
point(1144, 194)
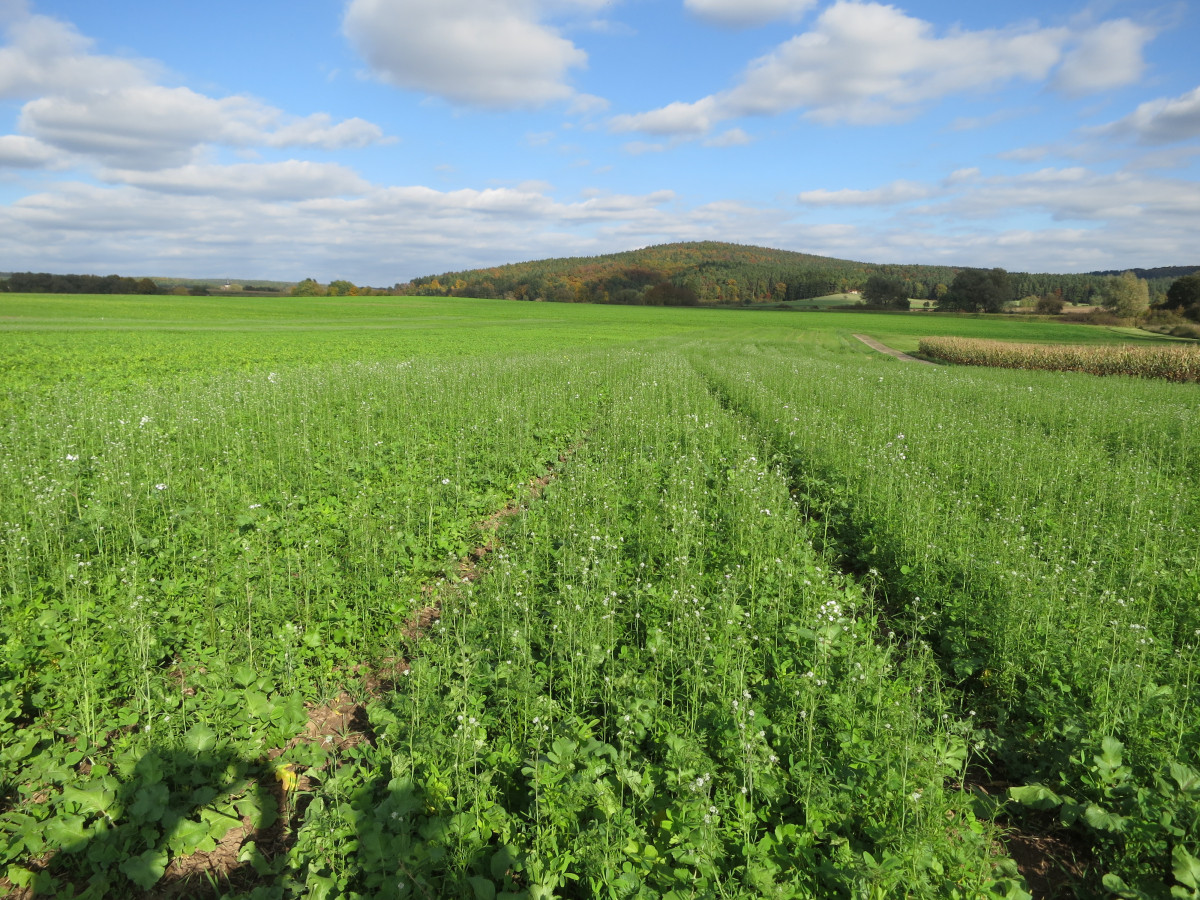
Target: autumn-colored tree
point(1126, 295)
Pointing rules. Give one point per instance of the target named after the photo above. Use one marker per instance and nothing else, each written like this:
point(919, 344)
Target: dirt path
point(883, 348)
point(338, 725)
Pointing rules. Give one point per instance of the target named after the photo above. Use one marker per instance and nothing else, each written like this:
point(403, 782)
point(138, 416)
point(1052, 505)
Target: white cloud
point(317, 131)
point(19, 152)
point(1161, 121)
point(889, 195)
point(147, 126)
point(1105, 57)
point(113, 110)
point(291, 180)
point(198, 221)
point(488, 53)
point(734, 137)
point(11, 10)
point(586, 105)
point(675, 118)
point(1128, 200)
point(867, 63)
point(1100, 220)
point(747, 13)
point(46, 56)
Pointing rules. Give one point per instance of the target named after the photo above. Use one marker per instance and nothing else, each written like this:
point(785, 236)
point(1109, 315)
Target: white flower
point(445, 481)
point(71, 457)
point(160, 487)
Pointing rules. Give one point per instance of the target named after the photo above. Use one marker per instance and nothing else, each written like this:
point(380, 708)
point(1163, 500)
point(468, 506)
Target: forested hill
point(1167, 273)
point(711, 272)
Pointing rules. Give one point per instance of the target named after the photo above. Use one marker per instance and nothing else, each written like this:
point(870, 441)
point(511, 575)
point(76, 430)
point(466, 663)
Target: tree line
point(47, 283)
point(719, 273)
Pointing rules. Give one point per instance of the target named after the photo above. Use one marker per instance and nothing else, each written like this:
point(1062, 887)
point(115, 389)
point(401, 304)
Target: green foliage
point(716, 273)
point(1184, 296)
point(1049, 305)
point(978, 290)
point(1126, 295)
point(778, 599)
point(887, 293)
point(308, 288)
point(1147, 823)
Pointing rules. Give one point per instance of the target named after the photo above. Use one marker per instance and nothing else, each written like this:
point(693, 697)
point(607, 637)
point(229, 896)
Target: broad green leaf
point(67, 832)
point(1186, 868)
point(1112, 753)
point(484, 889)
point(190, 836)
point(219, 824)
point(1115, 884)
point(150, 802)
point(502, 861)
point(1035, 795)
point(259, 705)
point(1101, 818)
point(200, 738)
point(146, 868)
point(320, 887)
point(1186, 777)
point(96, 800)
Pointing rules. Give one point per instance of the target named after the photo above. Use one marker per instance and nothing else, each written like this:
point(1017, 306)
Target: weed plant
point(782, 606)
point(1040, 532)
point(661, 690)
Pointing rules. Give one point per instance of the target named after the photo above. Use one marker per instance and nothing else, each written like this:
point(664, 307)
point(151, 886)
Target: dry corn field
point(1170, 362)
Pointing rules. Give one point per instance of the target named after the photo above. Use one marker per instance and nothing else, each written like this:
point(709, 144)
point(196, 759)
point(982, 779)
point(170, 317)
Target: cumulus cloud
point(685, 119)
point(868, 63)
point(1055, 219)
point(46, 56)
point(1121, 199)
point(747, 13)
point(895, 193)
point(20, 152)
point(113, 110)
point(734, 137)
point(319, 130)
point(1070, 193)
point(1107, 56)
point(379, 236)
point(486, 53)
point(290, 180)
point(322, 221)
point(1161, 121)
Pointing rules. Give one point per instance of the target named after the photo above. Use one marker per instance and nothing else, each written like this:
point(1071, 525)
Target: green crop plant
point(623, 602)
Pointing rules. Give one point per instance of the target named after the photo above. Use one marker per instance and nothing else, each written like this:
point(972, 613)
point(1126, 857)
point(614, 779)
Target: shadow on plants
point(188, 822)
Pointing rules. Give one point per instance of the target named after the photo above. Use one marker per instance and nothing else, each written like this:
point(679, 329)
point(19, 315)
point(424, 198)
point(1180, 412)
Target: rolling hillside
point(711, 273)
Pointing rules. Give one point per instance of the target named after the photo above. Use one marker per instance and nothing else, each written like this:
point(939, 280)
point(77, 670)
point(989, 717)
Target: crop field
point(392, 597)
point(1173, 363)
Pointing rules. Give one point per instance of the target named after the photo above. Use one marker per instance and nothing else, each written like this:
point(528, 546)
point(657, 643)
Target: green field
point(393, 597)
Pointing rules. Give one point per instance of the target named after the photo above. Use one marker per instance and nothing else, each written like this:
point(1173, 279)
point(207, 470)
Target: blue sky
point(377, 140)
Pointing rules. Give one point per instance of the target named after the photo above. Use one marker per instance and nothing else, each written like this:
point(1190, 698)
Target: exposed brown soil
point(883, 348)
point(337, 725)
point(1050, 865)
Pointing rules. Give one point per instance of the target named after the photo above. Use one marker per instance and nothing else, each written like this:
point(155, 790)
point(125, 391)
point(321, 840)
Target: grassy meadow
point(422, 597)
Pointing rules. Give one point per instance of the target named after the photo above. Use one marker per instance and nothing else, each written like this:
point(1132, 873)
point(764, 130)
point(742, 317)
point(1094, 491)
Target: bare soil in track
point(883, 348)
point(340, 724)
